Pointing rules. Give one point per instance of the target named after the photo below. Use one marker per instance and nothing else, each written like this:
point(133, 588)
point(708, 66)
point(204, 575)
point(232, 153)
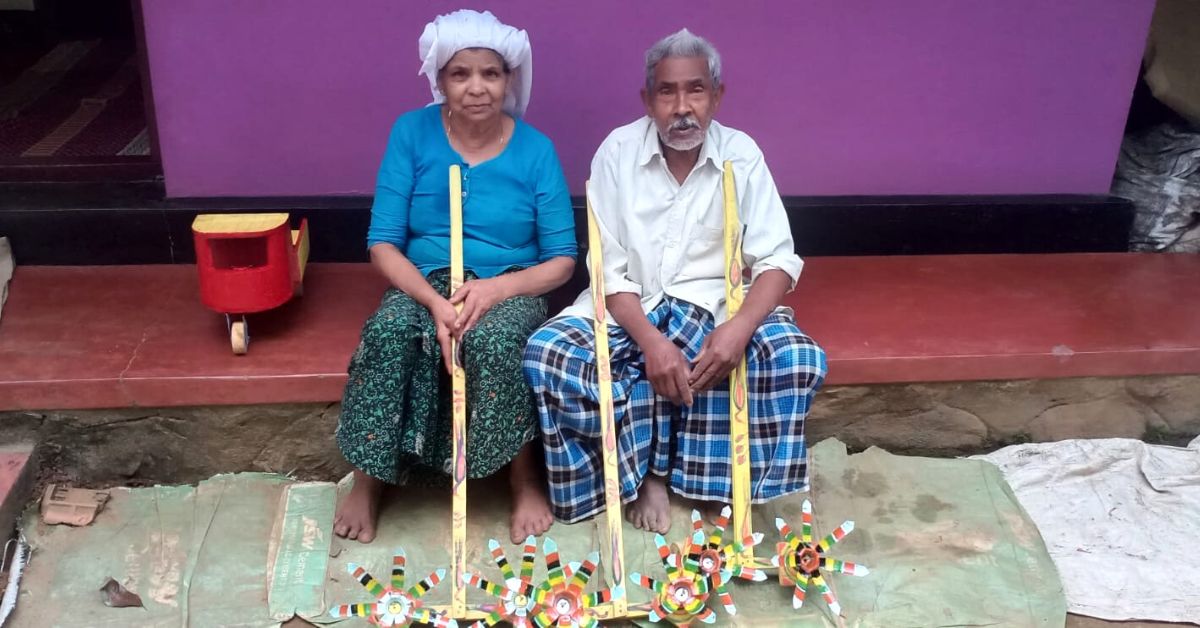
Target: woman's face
point(474, 82)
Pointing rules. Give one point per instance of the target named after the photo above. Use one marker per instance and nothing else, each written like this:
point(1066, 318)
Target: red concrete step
point(119, 336)
point(1001, 317)
point(17, 474)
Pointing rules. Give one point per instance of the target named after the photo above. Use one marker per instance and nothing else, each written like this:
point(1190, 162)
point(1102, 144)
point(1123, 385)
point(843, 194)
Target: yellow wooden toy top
point(237, 223)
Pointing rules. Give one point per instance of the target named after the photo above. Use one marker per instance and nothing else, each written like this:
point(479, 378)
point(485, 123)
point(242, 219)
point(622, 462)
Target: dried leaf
point(117, 596)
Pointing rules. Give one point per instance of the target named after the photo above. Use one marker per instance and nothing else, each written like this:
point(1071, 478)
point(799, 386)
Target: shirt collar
point(651, 147)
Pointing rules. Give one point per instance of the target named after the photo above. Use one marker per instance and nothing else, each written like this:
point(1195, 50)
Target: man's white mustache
point(685, 124)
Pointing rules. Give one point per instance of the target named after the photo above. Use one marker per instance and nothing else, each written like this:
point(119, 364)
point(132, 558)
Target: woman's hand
point(444, 317)
point(477, 297)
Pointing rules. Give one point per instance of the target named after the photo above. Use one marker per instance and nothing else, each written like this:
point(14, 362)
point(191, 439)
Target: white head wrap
point(447, 34)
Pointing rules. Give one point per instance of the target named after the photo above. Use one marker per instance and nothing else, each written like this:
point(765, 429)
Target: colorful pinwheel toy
point(516, 594)
point(394, 606)
point(800, 560)
point(681, 598)
point(716, 557)
point(560, 598)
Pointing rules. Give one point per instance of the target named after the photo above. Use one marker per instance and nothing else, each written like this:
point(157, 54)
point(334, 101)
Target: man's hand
point(668, 370)
point(720, 353)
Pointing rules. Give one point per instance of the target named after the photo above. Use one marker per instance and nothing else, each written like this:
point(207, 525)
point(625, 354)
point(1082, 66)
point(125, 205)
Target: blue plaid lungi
point(690, 445)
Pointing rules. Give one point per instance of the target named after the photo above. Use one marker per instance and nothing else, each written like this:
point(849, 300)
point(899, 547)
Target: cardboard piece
point(197, 556)
point(71, 506)
point(946, 540)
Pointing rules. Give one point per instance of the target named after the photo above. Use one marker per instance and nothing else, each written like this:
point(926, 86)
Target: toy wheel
point(239, 339)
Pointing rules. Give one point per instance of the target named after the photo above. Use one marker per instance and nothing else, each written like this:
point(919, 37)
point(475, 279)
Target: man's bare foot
point(652, 509)
point(356, 515)
point(530, 506)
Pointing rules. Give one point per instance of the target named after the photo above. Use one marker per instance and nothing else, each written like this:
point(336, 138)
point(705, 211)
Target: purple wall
point(844, 96)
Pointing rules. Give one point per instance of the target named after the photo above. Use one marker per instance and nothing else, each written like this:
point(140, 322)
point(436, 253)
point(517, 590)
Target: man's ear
point(646, 102)
point(718, 94)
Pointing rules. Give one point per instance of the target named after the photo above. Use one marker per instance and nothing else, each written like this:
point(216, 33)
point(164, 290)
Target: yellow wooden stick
point(608, 430)
point(458, 433)
point(739, 415)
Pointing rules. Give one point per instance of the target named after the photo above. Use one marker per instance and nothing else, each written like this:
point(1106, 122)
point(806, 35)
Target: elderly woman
point(518, 244)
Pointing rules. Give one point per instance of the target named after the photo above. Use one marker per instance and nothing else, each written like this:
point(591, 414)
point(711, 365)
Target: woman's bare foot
point(357, 514)
point(713, 511)
point(530, 513)
point(652, 509)
point(530, 506)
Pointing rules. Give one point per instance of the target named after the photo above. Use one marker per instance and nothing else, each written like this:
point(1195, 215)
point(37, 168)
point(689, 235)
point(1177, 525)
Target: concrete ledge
point(951, 418)
point(134, 446)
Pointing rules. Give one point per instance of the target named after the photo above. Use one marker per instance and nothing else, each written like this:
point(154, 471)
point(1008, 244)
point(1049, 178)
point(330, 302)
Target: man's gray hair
point(683, 44)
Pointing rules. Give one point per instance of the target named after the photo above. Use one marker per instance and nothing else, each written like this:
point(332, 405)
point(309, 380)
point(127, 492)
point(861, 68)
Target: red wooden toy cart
point(248, 263)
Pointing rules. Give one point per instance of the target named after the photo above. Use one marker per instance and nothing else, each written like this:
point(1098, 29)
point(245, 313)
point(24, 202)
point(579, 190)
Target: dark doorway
point(74, 92)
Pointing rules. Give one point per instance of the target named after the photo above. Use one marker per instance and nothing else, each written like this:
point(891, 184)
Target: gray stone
point(1173, 400)
point(1007, 407)
point(940, 429)
point(1093, 419)
point(306, 448)
point(1160, 408)
point(137, 445)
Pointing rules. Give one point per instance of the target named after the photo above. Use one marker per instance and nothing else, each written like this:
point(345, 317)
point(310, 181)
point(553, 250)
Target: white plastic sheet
point(1121, 520)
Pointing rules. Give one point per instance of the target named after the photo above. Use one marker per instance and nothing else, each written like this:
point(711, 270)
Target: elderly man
point(657, 196)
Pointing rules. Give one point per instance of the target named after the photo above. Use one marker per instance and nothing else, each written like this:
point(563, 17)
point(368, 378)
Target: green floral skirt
point(395, 422)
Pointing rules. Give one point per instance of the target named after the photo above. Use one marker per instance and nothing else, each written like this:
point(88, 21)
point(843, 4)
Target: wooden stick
point(739, 416)
point(458, 434)
point(608, 430)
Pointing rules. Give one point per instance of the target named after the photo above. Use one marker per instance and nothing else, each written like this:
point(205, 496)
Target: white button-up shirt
point(662, 238)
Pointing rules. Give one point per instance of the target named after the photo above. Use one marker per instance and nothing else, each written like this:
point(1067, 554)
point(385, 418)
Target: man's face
point(682, 101)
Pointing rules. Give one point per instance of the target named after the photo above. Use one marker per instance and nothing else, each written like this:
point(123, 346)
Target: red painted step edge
point(17, 474)
point(120, 336)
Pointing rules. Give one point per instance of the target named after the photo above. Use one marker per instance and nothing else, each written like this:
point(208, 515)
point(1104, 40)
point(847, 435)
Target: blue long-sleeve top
point(516, 206)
